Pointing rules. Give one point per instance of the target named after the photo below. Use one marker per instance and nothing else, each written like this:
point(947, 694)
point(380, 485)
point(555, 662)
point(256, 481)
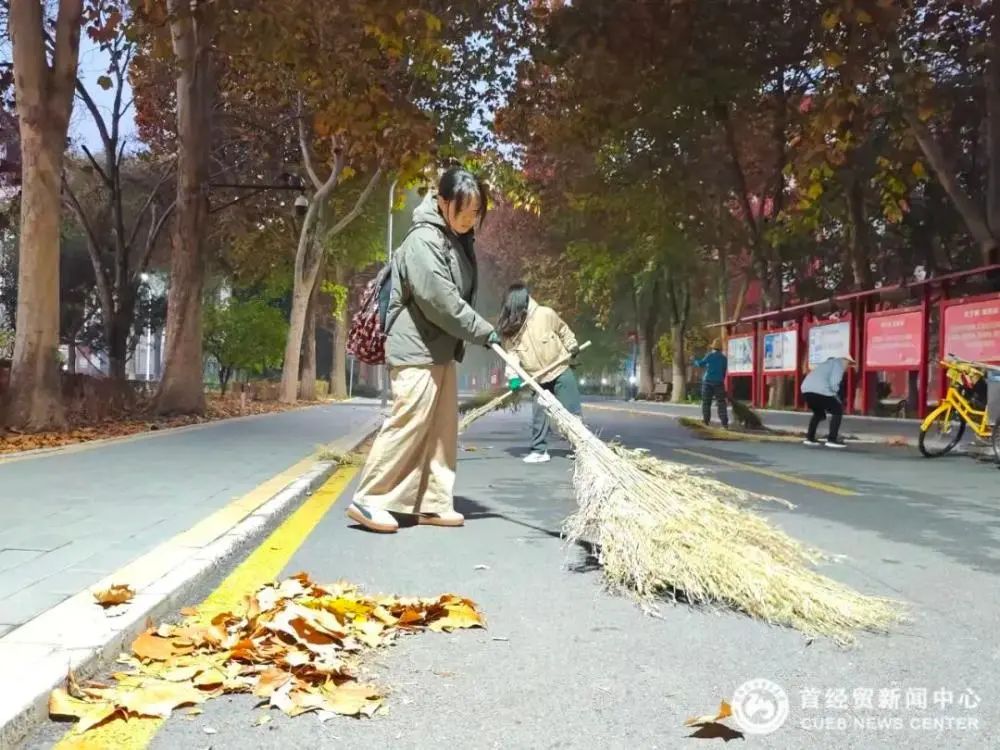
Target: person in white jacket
point(821, 389)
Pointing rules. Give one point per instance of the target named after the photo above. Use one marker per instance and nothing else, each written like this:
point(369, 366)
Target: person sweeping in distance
point(539, 339)
point(410, 470)
point(713, 384)
point(821, 389)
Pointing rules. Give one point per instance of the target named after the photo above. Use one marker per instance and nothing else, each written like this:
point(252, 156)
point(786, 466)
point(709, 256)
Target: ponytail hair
point(514, 311)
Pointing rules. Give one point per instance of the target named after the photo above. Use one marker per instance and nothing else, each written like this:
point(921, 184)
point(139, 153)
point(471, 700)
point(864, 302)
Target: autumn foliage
point(297, 646)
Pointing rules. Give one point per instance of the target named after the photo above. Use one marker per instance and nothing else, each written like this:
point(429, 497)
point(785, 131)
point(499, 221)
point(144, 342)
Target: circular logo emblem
point(760, 706)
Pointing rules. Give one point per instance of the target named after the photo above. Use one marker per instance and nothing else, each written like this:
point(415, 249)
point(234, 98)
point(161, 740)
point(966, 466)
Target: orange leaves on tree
point(289, 645)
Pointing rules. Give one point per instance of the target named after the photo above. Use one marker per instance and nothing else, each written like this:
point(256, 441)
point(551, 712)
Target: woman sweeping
point(410, 470)
point(539, 338)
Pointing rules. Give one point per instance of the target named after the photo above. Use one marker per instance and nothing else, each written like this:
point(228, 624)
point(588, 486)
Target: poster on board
point(740, 354)
point(894, 342)
point(829, 340)
point(972, 330)
point(781, 351)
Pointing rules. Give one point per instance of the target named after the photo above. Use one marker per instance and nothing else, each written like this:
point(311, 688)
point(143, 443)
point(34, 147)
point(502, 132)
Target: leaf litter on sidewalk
point(295, 646)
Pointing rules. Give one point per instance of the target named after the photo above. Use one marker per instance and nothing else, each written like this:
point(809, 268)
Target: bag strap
point(405, 292)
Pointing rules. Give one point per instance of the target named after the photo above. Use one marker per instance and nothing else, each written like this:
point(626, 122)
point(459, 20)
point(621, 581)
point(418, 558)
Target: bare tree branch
point(359, 204)
point(149, 201)
point(154, 234)
point(95, 113)
point(100, 170)
point(93, 249)
point(306, 151)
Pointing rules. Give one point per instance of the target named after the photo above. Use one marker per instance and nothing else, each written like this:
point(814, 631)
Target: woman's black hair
point(514, 311)
point(461, 186)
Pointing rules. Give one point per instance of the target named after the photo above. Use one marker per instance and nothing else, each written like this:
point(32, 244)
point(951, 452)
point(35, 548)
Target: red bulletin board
point(971, 328)
point(894, 339)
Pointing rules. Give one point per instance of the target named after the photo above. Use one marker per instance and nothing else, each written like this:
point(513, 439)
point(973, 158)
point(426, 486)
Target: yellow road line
point(264, 564)
point(812, 484)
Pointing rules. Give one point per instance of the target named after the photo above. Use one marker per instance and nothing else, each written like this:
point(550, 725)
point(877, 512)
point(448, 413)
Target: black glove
point(493, 340)
point(574, 352)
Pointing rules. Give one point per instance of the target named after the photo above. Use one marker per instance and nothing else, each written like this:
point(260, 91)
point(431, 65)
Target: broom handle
point(545, 398)
point(542, 373)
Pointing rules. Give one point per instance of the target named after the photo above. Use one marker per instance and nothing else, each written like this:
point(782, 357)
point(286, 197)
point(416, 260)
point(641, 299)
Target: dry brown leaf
point(159, 698)
point(458, 613)
point(724, 712)
point(351, 699)
point(189, 612)
point(287, 644)
point(119, 593)
point(181, 674)
point(153, 647)
point(210, 679)
point(88, 714)
point(194, 711)
point(383, 615)
point(270, 681)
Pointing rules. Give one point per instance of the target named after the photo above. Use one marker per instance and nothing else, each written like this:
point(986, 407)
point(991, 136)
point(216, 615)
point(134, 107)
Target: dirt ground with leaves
point(137, 421)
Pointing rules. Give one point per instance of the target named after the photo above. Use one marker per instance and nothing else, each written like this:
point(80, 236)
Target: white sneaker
point(448, 518)
point(537, 458)
point(373, 519)
point(812, 443)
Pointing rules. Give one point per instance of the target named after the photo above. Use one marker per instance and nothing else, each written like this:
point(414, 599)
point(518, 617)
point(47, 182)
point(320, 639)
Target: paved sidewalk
point(69, 519)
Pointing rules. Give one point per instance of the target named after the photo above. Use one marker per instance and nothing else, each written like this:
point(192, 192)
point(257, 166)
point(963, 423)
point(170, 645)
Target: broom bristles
point(662, 527)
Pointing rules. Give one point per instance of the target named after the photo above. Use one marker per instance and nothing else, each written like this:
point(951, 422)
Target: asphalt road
point(566, 665)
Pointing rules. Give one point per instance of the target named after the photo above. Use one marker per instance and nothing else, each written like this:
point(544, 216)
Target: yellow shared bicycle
point(964, 404)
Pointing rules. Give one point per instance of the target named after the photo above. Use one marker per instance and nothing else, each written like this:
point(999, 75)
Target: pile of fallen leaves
point(295, 646)
point(83, 431)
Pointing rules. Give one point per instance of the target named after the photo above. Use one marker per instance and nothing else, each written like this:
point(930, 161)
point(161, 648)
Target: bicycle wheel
point(942, 434)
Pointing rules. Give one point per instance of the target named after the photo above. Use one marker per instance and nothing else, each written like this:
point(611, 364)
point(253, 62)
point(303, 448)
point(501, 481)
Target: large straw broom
point(508, 397)
point(664, 529)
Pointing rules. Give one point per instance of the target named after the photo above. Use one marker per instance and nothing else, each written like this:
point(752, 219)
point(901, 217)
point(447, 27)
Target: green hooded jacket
point(434, 281)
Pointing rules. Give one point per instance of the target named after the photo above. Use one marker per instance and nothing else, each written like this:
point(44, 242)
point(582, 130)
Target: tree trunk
point(225, 373)
point(338, 372)
point(647, 343)
point(992, 87)
point(679, 305)
point(678, 368)
point(182, 389)
point(117, 333)
point(301, 293)
point(71, 358)
point(858, 245)
point(946, 172)
point(307, 385)
point(44, 97)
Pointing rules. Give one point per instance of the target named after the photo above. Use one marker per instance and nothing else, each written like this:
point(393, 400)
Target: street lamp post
point(149, 332)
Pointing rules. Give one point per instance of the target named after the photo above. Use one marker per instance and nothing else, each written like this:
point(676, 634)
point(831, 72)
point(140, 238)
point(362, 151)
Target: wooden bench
point(661, 391)
point(893, 406)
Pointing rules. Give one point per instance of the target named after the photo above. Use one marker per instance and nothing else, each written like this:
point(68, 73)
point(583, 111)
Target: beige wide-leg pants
point(411, 466)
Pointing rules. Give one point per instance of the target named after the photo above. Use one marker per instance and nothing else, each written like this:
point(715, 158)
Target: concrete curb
point(78, 635)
